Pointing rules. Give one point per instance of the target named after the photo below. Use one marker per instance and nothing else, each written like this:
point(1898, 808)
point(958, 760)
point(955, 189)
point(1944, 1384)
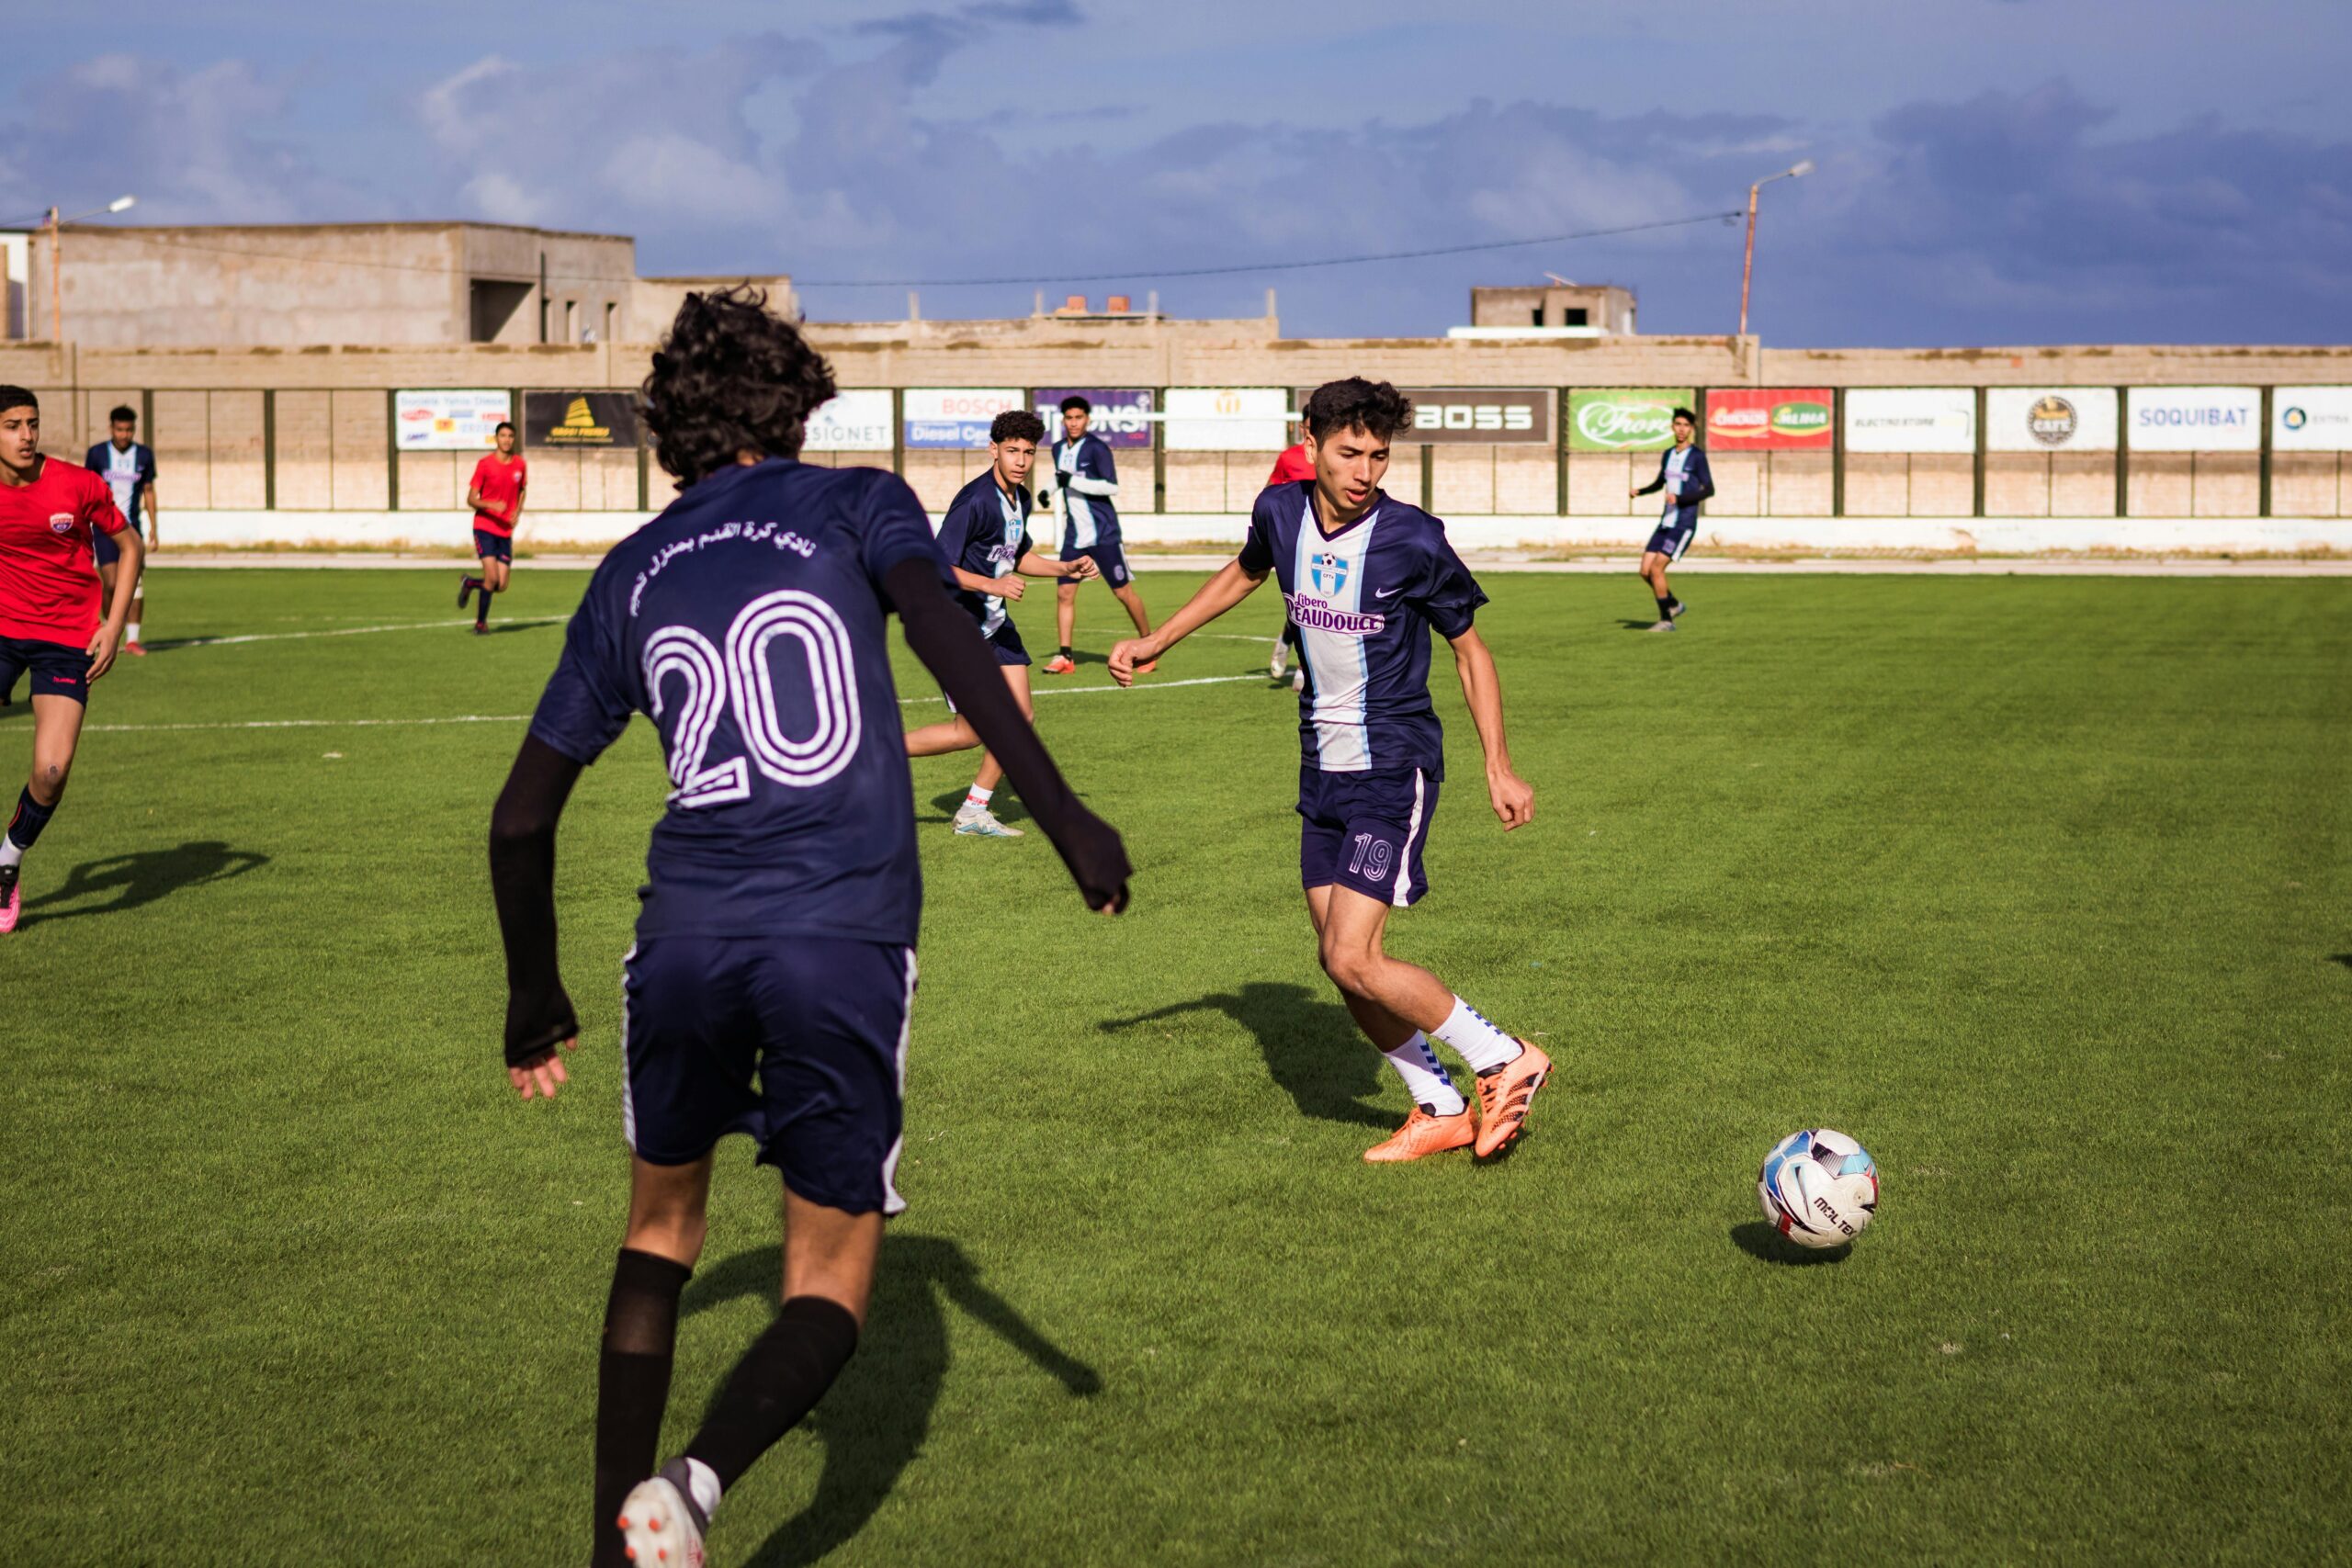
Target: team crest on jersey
point(60, 523)
point(1329, 572)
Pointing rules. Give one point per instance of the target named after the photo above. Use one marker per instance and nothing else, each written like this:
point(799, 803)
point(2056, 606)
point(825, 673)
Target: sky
point(1987, 171)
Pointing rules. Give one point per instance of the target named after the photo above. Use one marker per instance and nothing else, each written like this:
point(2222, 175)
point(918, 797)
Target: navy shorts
point(1109, 556)
point(493, 546)
point(1365, 831)
point(1006, 644)
point(800, 1042)
point(102, 545)
point(1672, 539)
point(58, 670)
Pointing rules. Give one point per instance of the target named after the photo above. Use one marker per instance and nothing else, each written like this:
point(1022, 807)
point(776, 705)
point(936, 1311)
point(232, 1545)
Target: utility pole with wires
point(1747, 267)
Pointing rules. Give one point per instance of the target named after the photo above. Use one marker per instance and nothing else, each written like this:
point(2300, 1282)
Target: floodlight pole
point(1747, 266)
point(57, 256)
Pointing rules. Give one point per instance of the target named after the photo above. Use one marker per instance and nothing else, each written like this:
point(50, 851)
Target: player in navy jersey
point(1683, 474)
point(984, 537)
point(1088, 478)
point(1367, 578)
point(769, 990)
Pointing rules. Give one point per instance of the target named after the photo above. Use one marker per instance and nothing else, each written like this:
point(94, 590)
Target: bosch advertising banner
point(2310, 419)
point(461, 419)
point(581, 420)
point(1624, 419)
point(946, 419)
point(1769, 418)
point(858, 419)
point(1122, 415)
point(2049, 419)
point(2196, 419)
point(1227, 419)
point(1911, 419)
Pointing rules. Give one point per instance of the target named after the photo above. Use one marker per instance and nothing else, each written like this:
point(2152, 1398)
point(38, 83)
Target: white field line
point(174, 645)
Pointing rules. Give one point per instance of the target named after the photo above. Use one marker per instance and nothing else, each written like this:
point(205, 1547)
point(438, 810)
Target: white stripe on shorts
point(892, 1202)
point(629, 1101)
point(1403, 892)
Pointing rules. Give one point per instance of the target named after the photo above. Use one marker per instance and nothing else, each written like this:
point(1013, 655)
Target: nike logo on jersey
point(1387, 592)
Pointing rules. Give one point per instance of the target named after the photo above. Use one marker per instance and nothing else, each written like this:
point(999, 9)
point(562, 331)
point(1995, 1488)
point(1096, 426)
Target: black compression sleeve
point(522, 878)
point(949, 644)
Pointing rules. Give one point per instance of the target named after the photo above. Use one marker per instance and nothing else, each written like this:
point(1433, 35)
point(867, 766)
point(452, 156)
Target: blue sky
point(1990, 171)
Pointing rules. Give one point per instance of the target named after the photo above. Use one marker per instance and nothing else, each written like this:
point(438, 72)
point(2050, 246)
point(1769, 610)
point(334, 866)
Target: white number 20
point(683, 655)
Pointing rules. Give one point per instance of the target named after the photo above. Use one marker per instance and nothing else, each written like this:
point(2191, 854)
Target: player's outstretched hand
point(1083, 569)
point(1127, 655)
point(539, 1031)
point(1010, 586)
point(102, 651)
point(543, 1073)
point(1514, 799)
point(1097, 861)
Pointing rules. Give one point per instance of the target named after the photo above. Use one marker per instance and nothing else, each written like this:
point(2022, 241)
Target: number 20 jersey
point(747, 621)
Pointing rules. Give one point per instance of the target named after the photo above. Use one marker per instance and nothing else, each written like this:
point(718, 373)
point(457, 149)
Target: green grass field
point(2037, 886)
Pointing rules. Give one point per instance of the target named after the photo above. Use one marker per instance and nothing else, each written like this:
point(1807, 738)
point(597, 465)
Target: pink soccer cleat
point(11, 902)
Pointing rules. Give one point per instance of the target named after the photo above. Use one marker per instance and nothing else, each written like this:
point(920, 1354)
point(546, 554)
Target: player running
point(1292, 466)
point(129, 468)
point(1683, 474)
point(1088, 480)
point(1366, 576)
point(984, 537)
point(51, 620)
point(774, 968)
point(496, 495)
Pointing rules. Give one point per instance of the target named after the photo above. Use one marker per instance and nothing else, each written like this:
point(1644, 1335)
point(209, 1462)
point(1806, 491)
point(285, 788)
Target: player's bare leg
point(973, 819)
point(57, 731)
point(1065, 625)
point(1127, 596)
point(1654, 565)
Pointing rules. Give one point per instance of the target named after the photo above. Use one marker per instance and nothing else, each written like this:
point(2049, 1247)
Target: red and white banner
point(1770, 419)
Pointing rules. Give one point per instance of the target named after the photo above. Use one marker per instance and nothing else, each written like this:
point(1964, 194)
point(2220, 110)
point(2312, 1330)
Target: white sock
point(131, 632)
point(977, 798)
point(703, 1482)
point(11, 852)
point(1480, 1043)
point(1425, 1077)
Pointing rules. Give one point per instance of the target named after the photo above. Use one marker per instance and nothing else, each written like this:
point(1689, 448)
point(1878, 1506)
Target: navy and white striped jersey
point(986, 533)
point(1364, 600)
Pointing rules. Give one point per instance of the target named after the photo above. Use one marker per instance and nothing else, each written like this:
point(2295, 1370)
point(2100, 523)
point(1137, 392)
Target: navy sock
point(482, 606)
point(1666, 608)
point(633, 1382)
point(31, 816)
point(779, 1380)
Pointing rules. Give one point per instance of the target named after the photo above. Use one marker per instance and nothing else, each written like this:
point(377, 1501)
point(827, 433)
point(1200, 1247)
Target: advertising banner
point(1227, 419)
point(1769, 418)
point(2310, 419)
point(858, 419)
point(2196, 419)
point(1911, 419)
point(450, 419)
point(2049, 419)
point(1624, 419)
point(1485, 415)
point(597, 419)
point(955, 418)
point(1122, 415)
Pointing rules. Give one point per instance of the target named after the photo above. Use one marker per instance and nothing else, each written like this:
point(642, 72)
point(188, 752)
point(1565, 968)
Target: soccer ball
point(1818, 1188)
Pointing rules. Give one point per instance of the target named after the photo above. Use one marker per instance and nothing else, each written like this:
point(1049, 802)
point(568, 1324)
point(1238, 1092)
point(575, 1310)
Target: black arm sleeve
point(949, 644)
point(1658, 483)
point(522, 878)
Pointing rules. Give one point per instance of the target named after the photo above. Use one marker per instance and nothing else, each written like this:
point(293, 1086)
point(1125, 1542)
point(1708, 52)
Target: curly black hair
point(123, 414)
point(731, 377)
point(1378, 409)
point(1016, 425)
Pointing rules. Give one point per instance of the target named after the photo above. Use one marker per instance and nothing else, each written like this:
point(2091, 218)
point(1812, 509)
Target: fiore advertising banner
point(2196, 419)
point(1479, 414)
point(1122, 415)
point(2310, 419)
point(1227, 419)
point(1769, 418)
point(579, 419)
point(450, 419)
point(856, 421)
point(1911, 419)
point(2049, 419)
point(955, 418)
point(1624, 419)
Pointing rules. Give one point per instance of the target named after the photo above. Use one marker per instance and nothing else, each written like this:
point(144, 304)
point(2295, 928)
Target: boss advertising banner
point(1624, 419)
point(1489, 415)
point(955, 418)
point(581, 420)
point(2049, 419)
point(1227, 419)
point(1122, 415)
point(2310, 419)
point(2196, 419)
point(1769, 418)
point(855, 421)
point(1911, 419)
point(450, 419)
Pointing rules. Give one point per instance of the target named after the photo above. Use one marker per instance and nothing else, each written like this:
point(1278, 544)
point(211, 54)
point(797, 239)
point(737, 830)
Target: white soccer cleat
point(661, 1524)
point(979, 822)
point(1281, 661)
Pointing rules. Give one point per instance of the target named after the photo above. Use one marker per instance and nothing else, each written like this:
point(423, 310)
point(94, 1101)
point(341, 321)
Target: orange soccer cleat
point(1504, 1094)
point(1147, 666)
point(133, 650)
point(1423, 1135)
point(1058, 665)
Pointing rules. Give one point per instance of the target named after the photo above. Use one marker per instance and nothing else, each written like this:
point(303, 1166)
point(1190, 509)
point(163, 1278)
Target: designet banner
point(955, 418)
point(1911, 419)
point(597, 419)
point(450, 419)
point(2049, 419)
point(2196, 419)
point(1770, 419)
point(1487, 415)
point(1227, 419)
point(1624, 419)
point(2310, 419)
point(856, 421)
point(1122, 415)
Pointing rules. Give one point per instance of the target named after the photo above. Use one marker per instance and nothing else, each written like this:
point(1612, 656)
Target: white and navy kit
point(1364, 600)
point(986, 533)
point(127, 470)
point(1682, 472)
point(1088, 478)
point(775, 941)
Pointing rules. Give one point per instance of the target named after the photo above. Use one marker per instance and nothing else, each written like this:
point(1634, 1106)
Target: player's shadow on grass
point(2343, 958)
point(1311, 1047)
point(1006, 807)
point(1766, 1245)
point(140, 879)
point(873, 1420)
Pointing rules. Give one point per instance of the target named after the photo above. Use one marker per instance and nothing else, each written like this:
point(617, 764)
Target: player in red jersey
point(1293, 465)
point(496, 496)
point(50, 614)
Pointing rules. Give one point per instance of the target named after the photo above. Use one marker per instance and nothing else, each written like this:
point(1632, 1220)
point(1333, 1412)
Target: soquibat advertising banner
point(450, 419)
point(1122, 415)
point(1624, 419)
point(583, 421)
point(858, 419)
point(1227, 419)
point(2049, 419)
point(955, 418)
point(2310, 419)
point(1770, 419)
point(1485, 415)
point(1911, 419)
point(2196, 419)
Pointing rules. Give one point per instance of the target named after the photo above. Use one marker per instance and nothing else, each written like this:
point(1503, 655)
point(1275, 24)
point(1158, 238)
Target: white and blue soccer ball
point(1818, 1188)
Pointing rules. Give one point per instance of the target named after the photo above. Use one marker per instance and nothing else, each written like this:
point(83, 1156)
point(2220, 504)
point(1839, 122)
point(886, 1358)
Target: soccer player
point(1290, 467)
point(1088, 480)
point(774, 968)
point(496, 496)
point(1367, 577)
point(1683, 474)
point(51, 622)
point(129, 468)
point(984, 537)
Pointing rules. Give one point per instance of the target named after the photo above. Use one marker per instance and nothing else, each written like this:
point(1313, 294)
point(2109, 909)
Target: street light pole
point(57, 256)
point(1747, 266)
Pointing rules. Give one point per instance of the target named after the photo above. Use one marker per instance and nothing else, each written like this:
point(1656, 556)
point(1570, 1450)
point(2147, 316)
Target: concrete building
point(1603, 310)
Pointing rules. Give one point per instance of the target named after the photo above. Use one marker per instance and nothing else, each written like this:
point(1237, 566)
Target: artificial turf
point(2037, 886)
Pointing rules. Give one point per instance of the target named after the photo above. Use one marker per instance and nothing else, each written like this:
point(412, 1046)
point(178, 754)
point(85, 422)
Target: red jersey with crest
point(501, 486)
point(48, 582)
